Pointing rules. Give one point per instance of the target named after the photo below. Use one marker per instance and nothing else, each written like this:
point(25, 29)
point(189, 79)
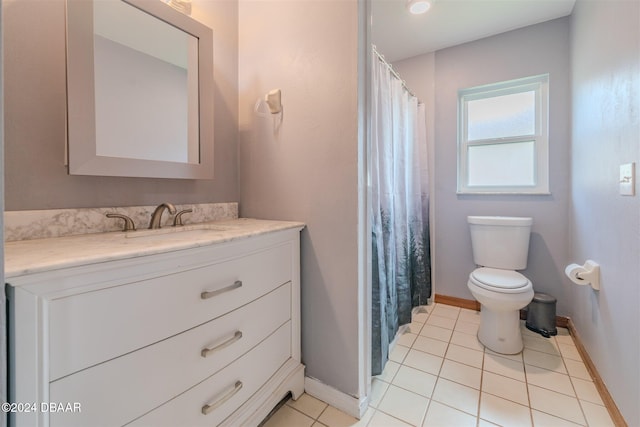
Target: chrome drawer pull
point(207, 351)
point(209, 294)
point(206, 409)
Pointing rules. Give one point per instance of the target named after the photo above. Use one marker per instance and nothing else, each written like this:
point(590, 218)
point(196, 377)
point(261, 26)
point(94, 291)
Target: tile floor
point(440, 375)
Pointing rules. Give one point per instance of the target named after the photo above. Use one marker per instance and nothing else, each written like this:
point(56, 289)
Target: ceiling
point(399, 35)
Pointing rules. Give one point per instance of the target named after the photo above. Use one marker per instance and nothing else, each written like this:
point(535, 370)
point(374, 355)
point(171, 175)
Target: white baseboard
point(346, 403)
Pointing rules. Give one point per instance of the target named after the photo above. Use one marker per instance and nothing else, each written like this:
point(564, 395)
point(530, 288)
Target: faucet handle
point(177, 220)
point(128, 222)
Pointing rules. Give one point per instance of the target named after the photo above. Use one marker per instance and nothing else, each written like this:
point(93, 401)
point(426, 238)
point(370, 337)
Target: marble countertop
point(38, 255)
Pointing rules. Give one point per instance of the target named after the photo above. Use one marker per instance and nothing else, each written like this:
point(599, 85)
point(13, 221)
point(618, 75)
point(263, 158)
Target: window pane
point(502, 164)
point(501, 116)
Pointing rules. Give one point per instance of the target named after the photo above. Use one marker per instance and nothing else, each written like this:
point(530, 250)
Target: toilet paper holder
point(587, 274)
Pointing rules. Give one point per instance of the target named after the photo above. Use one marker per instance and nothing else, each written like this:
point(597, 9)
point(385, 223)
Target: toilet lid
point(499, 279)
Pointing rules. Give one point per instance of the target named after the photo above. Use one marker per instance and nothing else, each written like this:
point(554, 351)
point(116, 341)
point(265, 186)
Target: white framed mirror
point(139, 90)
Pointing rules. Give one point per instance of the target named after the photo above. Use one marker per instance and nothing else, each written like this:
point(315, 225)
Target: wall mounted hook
point(274, 101)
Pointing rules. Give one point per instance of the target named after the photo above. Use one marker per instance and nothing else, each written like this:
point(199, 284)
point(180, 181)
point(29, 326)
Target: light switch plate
point(627, 179)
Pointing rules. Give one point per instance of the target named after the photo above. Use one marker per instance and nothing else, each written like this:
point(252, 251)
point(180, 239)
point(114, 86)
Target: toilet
point(500, 247)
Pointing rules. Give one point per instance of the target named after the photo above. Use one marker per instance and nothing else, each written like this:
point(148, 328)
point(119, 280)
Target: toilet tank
point(500, 241)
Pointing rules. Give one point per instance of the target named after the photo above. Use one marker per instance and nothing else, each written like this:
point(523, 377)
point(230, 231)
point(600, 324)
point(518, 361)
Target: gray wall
point(605, 226)
point(538, 49)
point(35, 104)
point(306, 168)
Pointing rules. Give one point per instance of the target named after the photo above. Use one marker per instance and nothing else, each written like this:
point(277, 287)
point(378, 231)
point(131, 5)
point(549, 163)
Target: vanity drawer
point(140, 381)
point(92, 327)
point(229, 388)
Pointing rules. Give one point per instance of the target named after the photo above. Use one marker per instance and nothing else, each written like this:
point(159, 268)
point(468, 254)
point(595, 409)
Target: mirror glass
point(134, 54)
point(139, 91)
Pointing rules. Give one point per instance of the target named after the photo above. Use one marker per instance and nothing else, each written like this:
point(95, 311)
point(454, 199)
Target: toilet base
point(500, 331)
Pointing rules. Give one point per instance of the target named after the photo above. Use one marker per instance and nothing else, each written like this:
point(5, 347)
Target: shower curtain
point(401, 275)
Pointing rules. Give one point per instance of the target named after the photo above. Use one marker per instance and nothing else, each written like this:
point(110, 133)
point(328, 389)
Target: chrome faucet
point(156, 216)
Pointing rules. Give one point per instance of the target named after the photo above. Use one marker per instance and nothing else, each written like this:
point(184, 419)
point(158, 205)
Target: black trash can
point(541, 315)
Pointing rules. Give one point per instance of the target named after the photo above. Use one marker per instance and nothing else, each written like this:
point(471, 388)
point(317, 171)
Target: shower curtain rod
point(395, 74)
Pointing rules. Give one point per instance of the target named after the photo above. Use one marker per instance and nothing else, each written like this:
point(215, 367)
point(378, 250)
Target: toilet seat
point(504, 281)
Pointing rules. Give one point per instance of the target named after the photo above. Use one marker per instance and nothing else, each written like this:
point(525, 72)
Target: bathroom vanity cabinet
point(204, 333)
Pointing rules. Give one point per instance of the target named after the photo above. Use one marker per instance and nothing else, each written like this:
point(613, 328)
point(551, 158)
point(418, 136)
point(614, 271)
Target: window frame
point(539, 84)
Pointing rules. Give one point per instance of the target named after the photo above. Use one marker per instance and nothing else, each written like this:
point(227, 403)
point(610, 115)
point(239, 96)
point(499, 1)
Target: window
point(503, 142)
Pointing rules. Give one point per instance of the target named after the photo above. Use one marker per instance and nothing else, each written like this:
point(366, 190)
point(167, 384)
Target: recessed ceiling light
point(417, 7)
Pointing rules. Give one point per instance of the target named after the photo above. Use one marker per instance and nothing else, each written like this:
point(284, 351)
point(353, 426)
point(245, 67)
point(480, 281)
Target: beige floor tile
point(446, 311)
point(440, 415)
point(407, 339)
point(466, 327)
point(332, 417)
point(470, 316)
point(308, 405)
point(545, 345)
point(366, 418)
point(544, 360)
point(389, 371)
point(549, 379)
point(560, 389)
point(540, 419)
point(431, 345)
point(436, 332)
point(485, 423)
point(420, 317)
point(461, 373)
point(564, 337)
point(586, 390)
point(466, 340)
point(505, 387)
point(380, 419)
point(516, 357)
point(504, 412)
point(457, 396)
point(289, 417)
point(401, 395)
point(570, 352)
point(423, 361)
point(577, 369)
point(415, 327)
point(504, 366)
point(558, 404)
point(415, 381)
point(378, 389)
point(404, 405)
point(443, 322)
point(465, 355)
point(399, 353)
point(596, 415)
point(526, 332)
